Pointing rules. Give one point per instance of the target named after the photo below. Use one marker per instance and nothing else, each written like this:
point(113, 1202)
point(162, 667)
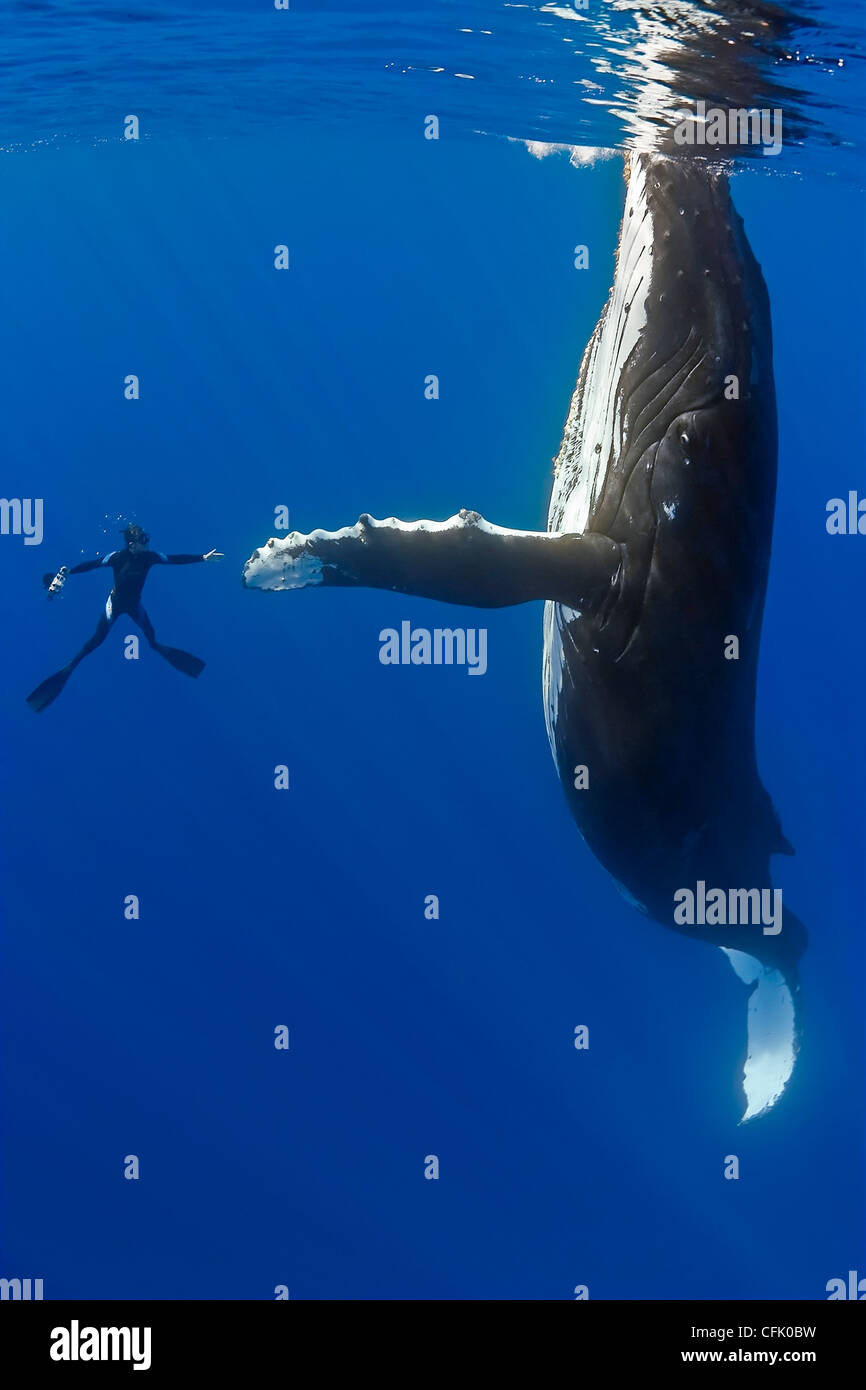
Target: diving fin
point(181, 661)
point(44, 694)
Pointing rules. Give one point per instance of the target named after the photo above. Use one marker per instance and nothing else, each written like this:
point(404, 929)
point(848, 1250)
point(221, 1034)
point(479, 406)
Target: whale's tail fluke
point(774, 1025)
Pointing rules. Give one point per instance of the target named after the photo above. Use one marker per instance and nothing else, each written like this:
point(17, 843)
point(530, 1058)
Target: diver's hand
point(213, 555)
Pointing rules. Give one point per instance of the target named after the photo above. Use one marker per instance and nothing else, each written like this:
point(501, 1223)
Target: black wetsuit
point(130, 570)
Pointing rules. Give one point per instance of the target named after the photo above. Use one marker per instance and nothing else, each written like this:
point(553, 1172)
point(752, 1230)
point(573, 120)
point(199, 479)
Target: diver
point(130, 568)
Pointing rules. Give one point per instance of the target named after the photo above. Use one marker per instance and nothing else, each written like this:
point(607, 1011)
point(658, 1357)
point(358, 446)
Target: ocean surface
point(154, 1036)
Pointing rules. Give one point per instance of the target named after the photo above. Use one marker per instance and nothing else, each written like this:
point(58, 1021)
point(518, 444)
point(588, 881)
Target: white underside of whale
point(592, 438)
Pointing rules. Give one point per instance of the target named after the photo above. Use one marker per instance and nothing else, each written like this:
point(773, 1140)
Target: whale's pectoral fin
point(462, 560)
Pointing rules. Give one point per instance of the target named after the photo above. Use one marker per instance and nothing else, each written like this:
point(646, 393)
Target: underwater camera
point(54, 583)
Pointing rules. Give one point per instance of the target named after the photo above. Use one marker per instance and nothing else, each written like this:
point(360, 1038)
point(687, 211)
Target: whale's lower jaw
point(592, 437)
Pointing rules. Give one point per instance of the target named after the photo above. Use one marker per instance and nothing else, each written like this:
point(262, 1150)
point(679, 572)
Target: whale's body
point(654, 571)
point(669, 450)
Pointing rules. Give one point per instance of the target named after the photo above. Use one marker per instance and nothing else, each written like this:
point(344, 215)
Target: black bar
point(222, 1338)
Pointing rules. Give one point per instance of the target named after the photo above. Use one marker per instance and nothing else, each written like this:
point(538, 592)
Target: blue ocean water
point(305, 908)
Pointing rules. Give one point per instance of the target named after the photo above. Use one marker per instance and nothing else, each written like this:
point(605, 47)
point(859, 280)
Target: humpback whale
point(653, 571)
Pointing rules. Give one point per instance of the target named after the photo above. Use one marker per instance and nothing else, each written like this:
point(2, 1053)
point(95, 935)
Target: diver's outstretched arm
point(462, 560)
point(89, 565)
point(160, 559)
point(55, 582)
